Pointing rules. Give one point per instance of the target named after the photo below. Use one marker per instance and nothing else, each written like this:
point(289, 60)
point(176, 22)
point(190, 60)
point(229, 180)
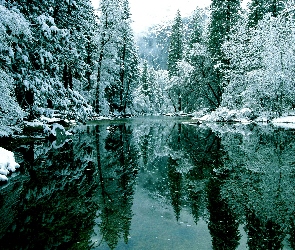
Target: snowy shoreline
point(245, 116)
point(7, 164)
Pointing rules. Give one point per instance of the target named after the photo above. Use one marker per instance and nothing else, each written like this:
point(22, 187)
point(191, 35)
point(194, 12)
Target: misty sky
point(148, 12)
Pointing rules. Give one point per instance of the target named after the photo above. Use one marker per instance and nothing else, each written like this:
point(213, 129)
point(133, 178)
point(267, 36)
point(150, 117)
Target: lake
point(152, 183)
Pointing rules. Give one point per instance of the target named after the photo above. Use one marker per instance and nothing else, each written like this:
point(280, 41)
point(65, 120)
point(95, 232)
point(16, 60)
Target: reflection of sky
point(146, 13)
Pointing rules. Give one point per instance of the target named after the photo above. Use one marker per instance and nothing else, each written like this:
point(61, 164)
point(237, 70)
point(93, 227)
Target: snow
point(34, 124)
point(284, 119)
point(49, 120)
point(224, 114)
point(56, 126)
point(244, 116)
point(287, 122)
point(7, 164)
point(204, 118)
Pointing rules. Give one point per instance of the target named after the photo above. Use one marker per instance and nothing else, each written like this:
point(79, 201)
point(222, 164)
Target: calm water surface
point(152, 184)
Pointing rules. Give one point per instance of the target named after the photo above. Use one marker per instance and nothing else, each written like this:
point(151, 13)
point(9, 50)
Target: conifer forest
point(65, 57)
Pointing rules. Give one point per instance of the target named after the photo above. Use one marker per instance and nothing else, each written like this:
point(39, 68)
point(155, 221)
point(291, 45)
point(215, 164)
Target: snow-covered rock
point(7, 164)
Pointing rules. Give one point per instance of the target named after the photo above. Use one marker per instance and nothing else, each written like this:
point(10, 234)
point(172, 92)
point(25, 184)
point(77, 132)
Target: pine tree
point(129, 71)
point(224, 17)
point(257, 9)
point(175, 53)
point(58, 61)
point(108, 62)
point(197, 30)
point(117, 59)
point(275, 7)
point(145, 79)
point(200, 91)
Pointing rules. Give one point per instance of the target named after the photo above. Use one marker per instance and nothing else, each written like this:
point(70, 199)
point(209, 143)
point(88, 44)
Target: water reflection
point(150, 184)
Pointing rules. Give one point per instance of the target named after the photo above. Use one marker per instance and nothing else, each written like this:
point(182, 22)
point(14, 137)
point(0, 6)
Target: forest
point(64, 57)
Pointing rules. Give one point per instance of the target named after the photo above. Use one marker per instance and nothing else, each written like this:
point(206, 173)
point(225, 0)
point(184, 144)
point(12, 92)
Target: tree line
point(64, 56)
point(235, 59)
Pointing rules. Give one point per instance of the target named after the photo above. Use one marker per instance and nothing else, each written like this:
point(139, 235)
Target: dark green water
point(152, 184)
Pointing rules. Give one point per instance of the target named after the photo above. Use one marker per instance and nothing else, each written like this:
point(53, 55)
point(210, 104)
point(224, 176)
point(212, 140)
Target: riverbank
point(224, 115)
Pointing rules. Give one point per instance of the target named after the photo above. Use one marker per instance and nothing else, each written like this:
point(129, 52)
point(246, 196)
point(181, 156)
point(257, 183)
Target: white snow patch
point(287, 122)
point(49, 120)
point(224, 114)
point(205, 118)
point(57, 126)
point(34, 124)
point(284, 119)
point(7, 163)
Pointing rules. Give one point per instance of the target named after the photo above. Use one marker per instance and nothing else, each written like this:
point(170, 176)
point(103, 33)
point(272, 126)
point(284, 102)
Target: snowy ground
point(246, 116)
point(7, 164)
point(284, 122)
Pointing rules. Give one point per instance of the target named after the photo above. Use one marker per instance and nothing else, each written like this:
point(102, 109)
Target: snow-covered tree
point(262, 65)
point(144, 93)
point(10, 112)
point(175, 55)
point(15, 35)
point(117, 58)
point(257, 9)
point(151, 97)
point(129, 70)
point(57, 60)
point(175, 52)
point(201, 87)
point(224, 17)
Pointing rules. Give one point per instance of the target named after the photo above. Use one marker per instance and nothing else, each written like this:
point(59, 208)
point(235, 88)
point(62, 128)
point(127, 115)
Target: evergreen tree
point(275, 7)
point(175, 53)
point(145, 79)
point(200, 90)
point(15, 38)
point(197, 29)
point(257, 9)
point(56, 63)
point(107, 61)
point(117, 59)
point(129, 71)
point(224, 17)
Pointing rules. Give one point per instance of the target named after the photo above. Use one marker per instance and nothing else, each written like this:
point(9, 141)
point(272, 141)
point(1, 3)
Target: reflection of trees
point(253, 172)
point(223, 224)
point(292, 232)
point(203, 149)
point(260, 186)
point(243, 176)
point(56, 205)
point(117, 171)
point(175, 184)
point(263, 234)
